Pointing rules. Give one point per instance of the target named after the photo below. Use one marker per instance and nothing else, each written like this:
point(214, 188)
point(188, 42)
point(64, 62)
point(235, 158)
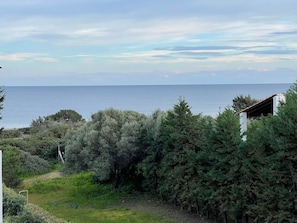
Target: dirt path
point(44, 177)
point(169, 211)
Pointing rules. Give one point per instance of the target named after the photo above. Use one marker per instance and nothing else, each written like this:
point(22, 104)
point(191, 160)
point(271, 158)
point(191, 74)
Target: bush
point(14, 133)
point(12, 202)
point(33, 165)
point(15, 209)
point(11, 166)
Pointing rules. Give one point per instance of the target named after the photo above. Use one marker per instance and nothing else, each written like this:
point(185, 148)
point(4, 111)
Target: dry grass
point(41, 178)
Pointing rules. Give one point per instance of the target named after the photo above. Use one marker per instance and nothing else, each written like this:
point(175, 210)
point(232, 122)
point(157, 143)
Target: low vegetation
point(16, 210)
point(79, 199)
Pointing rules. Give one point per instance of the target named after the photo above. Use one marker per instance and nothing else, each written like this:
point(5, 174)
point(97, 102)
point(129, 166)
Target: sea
point(23, 104)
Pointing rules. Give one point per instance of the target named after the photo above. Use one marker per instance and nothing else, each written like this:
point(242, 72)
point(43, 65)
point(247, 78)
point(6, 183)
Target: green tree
point(46, 133)
point(202, 161)
point(278, 186)
point(150, 137)
point(252, 153)
point(180, 137)
point(11, 166)
point(241, 102)
point(77, 157)
point(109, 146)
point(66, 115)
point(225, 170)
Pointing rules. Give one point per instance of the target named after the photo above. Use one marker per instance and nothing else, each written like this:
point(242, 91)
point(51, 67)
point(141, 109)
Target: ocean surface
point(24, 104)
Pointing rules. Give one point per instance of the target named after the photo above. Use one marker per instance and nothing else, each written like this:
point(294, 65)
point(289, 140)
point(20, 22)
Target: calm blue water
point(24, 104)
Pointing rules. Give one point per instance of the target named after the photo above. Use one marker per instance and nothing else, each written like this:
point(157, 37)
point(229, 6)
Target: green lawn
point(77, 199)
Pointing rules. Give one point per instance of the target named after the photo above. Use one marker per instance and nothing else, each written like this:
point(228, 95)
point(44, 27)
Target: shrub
point(11, 166)
point(15, 209)
point(14, 133)
point(12, 202)
point(33, 165)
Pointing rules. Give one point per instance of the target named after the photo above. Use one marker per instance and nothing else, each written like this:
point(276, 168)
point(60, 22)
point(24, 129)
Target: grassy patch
point(78, 200)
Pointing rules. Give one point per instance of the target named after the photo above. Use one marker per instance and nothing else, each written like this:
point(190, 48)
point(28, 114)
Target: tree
point(66, 116)
point(180, 137)
point(77, 157)
point(109, 145)
point(11, 166)
point(279, 186)
point(225, 171)
point(150, 138)
point(202, 161)
point(271, 163)
point(241, 102)
point(49, 132)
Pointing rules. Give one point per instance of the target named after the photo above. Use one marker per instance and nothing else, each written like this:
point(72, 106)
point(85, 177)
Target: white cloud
point(18, 56)
point(46, 59)
point(29, 57)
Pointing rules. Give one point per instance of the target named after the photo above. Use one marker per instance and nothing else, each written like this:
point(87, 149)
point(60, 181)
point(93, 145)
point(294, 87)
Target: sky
point(139, 42)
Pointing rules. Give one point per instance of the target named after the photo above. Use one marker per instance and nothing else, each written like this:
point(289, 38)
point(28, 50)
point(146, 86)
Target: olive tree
point(109, 145)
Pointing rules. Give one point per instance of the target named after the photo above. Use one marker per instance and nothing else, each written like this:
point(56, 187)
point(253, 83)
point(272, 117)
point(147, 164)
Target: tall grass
point(78, 199)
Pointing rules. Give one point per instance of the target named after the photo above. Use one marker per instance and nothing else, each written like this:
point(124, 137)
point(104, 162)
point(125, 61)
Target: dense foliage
point(11, 162)
point(241, 102)
point(108, 145)
point(33, 150)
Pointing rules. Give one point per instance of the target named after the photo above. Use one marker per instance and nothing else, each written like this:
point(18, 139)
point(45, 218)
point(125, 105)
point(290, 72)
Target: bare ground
point(44, 177)
point(171, 212)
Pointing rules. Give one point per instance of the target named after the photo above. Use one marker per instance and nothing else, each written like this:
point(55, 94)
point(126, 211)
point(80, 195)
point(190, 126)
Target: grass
point(77, 199)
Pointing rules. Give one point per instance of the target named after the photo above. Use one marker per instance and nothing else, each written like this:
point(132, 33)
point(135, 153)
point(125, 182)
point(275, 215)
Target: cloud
point(141, 36)
point(191, 48)
point(285, 33)
point(275, 52)
point(46, 59)
point(26, 57)
point(18, 56)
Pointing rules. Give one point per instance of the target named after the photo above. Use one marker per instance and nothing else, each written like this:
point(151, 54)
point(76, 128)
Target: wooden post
point(60, 154)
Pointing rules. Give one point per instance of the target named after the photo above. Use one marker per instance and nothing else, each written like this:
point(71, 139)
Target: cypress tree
point(179, 136)
point(225, 171)
point(275, 140)
point(282, 163)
